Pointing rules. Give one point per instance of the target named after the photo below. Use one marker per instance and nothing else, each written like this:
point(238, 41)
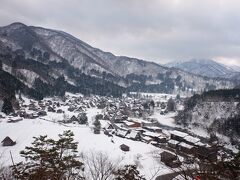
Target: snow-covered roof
point(179, 133)
point(15, 118)
point(105, 124)
point(183, 144)
point(128, 123)
point(200, 144)
point(121, 133)
point(154, 128)
point(191, 139)
point(152, 134)
point(146, 138)
point(132, 134)
point(2, 114)
point(173, 142)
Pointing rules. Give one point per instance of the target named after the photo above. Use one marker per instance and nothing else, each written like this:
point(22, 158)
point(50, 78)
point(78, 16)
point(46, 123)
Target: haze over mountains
point(36, 57)
point(207, 67)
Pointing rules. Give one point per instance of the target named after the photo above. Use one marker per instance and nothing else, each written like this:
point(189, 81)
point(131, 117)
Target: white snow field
point(23, 131)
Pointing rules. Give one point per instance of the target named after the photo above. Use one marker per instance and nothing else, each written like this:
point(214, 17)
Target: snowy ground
point(23, 131)
point(166, 119)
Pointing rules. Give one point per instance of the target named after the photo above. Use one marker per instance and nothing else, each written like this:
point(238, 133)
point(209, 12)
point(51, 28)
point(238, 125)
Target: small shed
point(7, 141)
point(124, 147)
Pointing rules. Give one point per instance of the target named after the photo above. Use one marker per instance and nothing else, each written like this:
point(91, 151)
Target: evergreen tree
point(49, 159)
point(178, 97)
point(97, 126)
point(152, 104)
point(99, 116)
point(82, 118)
point(171, 106)
point(128, 172)
point(7, 107)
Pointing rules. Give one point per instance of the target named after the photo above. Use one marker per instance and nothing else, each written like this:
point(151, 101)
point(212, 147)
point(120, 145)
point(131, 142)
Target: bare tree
point(5, 171)
point(98, 165)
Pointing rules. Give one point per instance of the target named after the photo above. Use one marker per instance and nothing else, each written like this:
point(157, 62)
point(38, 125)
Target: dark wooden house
point(7, 141)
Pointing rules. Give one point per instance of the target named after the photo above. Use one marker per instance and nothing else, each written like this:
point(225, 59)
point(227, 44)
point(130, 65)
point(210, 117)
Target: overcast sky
point(155, 30)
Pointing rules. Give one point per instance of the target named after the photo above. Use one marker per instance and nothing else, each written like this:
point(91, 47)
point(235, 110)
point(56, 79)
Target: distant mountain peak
point(16, 25)
point(205, 67)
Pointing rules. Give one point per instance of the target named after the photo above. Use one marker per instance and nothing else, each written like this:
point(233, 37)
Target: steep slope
point(26, 56)
point(204, 67)
point(53, 59)
point(214, 111)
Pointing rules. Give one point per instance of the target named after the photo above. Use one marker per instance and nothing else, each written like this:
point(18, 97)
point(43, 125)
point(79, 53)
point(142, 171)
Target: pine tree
point(152, 104)
point(82, 118)
point(97, 126)
point(171, 106)
point(50, 159)
point(128, 172)
point(178, 97)
point(7, 107)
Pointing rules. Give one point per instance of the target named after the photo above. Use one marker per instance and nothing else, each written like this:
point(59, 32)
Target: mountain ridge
point(81, 67)
point(205, 67)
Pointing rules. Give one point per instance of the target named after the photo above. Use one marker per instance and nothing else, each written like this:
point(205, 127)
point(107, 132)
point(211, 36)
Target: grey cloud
point(155, 30)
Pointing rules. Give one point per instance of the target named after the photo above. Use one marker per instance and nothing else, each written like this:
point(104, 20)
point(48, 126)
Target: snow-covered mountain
point(49, 61)
point(206, 67)
point(235, 68)
point(215, 111)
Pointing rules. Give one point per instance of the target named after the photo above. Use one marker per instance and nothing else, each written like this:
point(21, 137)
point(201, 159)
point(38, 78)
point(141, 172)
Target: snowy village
point(138, 128)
